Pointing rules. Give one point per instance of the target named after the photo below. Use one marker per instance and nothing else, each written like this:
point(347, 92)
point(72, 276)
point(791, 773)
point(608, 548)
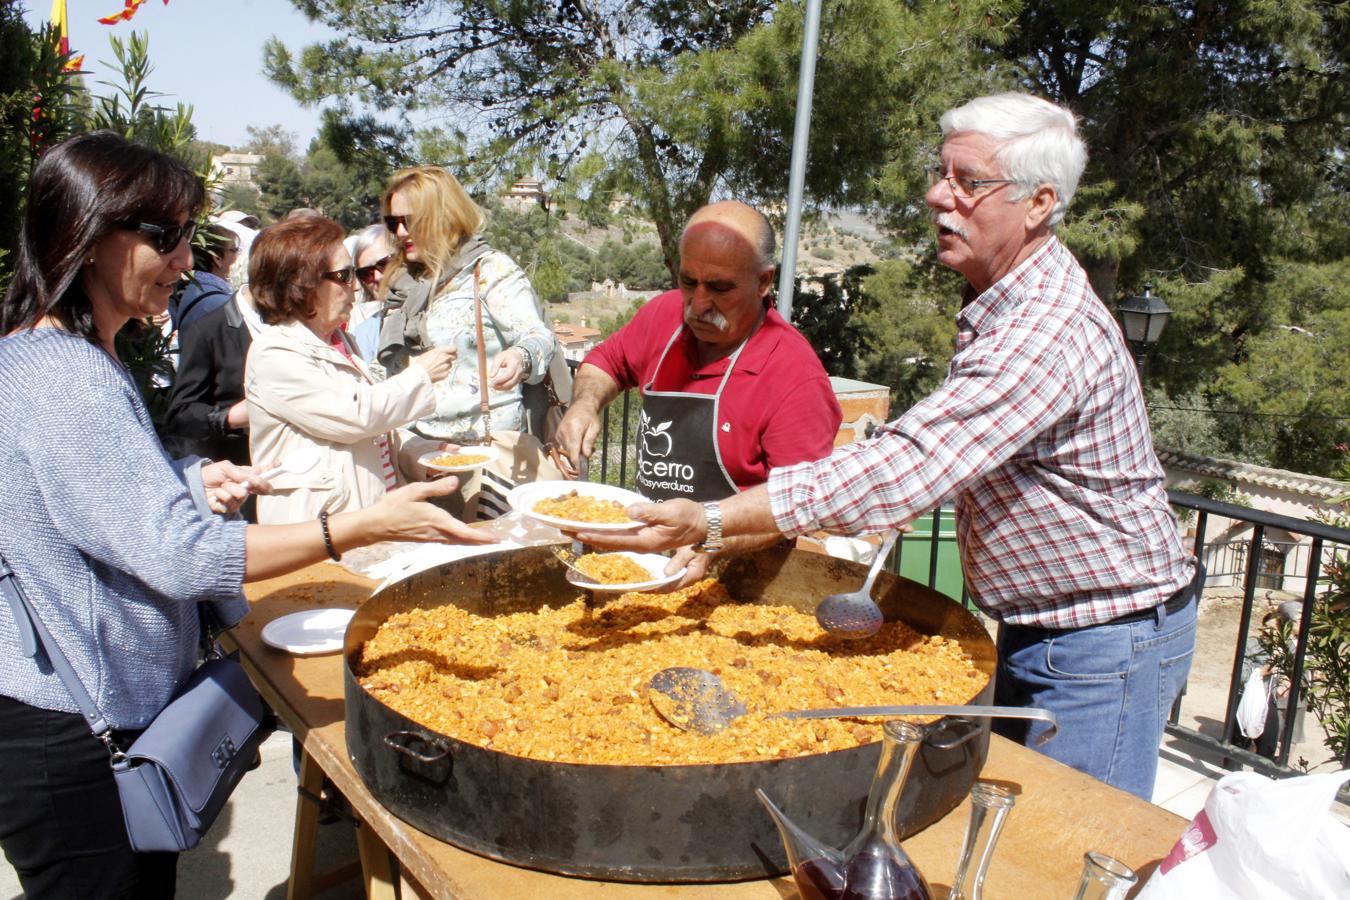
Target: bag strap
point(34, 639)
point(484, 403)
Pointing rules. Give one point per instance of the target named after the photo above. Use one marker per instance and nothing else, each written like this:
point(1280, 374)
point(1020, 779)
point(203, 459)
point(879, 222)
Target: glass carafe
point(875, 867)
point(872, 866)
point(989, 805)
point(817, 868)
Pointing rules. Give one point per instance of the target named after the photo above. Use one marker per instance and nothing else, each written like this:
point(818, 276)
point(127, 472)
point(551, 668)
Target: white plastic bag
point(1251, 711)
point(1262, 839)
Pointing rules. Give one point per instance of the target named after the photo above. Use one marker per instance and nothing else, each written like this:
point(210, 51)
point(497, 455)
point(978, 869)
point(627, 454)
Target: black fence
point(1325, 542)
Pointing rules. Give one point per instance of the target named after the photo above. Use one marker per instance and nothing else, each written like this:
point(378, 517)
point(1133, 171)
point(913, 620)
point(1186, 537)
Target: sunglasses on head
point(343, 277)
point(392, 223)
point(164, 238)
point(366, 274)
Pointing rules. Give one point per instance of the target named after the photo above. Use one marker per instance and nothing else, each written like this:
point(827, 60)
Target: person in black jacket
point(207, 413)
point(208, 290)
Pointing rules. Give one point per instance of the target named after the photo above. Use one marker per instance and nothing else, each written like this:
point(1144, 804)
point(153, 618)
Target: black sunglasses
point(366, 274)
point(392, 223)
point(164, 238)
point(342, 276)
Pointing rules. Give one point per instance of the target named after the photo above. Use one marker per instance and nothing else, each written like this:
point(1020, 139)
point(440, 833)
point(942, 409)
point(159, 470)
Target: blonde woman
point(440, 266)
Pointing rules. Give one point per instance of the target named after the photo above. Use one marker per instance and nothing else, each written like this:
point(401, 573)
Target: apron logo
point(726, 426)
point(656, 442)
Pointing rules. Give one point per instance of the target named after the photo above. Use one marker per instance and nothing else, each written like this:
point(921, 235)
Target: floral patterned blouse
point(512, 318)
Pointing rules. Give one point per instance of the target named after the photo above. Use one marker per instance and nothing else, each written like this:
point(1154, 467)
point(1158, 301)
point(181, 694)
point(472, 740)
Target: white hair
point(1038, 142)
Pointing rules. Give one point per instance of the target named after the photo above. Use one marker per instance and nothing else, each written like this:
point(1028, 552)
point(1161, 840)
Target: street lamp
point(1143, 319)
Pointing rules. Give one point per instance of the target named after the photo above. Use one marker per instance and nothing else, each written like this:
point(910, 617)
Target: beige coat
point(305, 396)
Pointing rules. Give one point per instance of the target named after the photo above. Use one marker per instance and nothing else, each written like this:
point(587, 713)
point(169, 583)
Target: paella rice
point(579, 508)
point(568, 684)
point(458, 459)
point(613, 568)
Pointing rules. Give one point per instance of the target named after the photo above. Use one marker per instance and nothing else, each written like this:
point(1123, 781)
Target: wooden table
point(1060, 813)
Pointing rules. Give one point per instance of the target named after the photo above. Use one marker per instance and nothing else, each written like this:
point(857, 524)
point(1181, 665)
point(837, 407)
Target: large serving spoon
point(569, 558)
point(696, 700)
point(853, 615)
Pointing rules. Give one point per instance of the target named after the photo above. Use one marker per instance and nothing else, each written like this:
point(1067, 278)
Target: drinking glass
point(1104, 878)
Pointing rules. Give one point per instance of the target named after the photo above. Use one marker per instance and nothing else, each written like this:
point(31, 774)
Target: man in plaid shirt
point(1041, 437)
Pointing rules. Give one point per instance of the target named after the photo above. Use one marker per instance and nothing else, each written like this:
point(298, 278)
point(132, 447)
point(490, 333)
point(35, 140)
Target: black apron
point(678, 454)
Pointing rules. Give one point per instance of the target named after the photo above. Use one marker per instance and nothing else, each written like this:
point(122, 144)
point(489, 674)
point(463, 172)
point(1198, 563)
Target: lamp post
point(1143, 319)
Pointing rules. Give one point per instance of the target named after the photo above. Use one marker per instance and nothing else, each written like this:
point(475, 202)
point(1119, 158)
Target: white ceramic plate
point(310, 632)
point(523, 498)
point(654, 563)
point(488, 453)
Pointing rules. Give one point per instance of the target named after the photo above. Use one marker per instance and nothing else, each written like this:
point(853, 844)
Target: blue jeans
point(1111, 687)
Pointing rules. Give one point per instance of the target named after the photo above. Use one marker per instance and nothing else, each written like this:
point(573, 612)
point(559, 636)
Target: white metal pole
point(806, 85)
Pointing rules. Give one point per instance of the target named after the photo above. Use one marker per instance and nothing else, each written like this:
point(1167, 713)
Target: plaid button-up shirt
point(1040, 434)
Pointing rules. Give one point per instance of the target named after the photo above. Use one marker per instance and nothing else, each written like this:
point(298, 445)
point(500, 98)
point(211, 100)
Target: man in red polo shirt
point(729, 389)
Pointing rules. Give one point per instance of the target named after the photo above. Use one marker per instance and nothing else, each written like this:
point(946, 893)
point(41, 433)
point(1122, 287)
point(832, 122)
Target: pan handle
point(951, 732)
point(402, 742)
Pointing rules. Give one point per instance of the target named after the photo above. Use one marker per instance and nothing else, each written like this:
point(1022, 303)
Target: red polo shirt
point(778, 407)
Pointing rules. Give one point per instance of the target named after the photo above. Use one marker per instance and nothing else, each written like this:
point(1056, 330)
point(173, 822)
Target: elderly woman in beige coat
point(310, 397)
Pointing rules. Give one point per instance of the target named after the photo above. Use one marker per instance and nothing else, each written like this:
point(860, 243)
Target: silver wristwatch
point(712, 541)
point(527, 359)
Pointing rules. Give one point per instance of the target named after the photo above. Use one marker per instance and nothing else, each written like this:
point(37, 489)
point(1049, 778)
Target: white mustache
point(712, 317)
point(942, 221)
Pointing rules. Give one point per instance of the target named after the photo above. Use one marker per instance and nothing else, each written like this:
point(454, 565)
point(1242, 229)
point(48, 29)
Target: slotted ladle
point(853, 615)
point(696, 700)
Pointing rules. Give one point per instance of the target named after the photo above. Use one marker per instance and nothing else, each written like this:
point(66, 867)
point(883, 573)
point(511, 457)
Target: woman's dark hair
point(286, 264)
point(80, 191)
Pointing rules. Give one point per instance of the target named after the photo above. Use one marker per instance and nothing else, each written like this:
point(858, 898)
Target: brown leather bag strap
point(483, 402)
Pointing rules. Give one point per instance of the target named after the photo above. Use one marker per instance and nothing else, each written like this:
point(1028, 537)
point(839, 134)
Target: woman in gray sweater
point(114, 543)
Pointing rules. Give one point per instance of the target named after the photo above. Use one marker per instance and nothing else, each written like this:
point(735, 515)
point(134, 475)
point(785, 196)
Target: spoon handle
point(992, 712)
point(883, 553)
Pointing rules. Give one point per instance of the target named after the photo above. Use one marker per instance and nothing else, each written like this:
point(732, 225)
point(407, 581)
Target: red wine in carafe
point(874, 877)
point(819, 879)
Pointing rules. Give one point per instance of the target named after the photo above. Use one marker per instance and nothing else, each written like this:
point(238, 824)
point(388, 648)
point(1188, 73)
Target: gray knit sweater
point(102, 533)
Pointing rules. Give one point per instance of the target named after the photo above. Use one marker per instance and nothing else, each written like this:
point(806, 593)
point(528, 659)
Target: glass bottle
point(872, 866)
point(875, 867)
point(1104, 878)
point(989, 805)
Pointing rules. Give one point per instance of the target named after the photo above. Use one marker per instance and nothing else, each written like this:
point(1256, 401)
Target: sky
point(207, 53)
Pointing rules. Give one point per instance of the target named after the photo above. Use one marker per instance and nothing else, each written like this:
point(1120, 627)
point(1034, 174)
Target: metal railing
point(1326, 542)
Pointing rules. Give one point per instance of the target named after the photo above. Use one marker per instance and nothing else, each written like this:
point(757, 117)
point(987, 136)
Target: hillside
point(837, 241)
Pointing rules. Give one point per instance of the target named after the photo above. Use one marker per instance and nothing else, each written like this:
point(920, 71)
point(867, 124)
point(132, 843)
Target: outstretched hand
point(669, 525)
point(404, 515)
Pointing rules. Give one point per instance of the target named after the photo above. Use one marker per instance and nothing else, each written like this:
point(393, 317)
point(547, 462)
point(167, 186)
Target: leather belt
point(1173, 604)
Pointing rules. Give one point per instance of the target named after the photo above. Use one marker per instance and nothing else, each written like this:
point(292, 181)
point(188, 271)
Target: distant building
point(525, 194)
point(575, 340)
point(235, 168)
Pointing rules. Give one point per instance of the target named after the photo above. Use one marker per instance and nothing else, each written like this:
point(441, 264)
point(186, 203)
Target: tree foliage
point(677, 99)
point(1216, 131)
point(321, 180)
point(41, 103)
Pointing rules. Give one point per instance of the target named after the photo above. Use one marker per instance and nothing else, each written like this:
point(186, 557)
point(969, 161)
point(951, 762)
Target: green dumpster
point(915, 554)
